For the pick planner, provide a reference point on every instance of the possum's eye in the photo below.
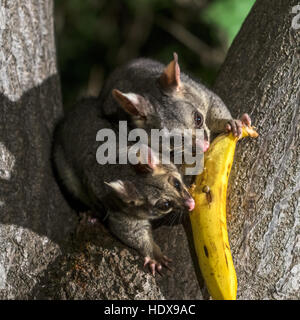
(176, 183)
(198, 119)
(163, 206)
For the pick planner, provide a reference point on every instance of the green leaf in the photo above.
(228, 15)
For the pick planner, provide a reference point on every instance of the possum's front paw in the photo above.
(235, 125)
(156, 265)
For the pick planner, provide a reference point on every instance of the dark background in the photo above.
(94, 36)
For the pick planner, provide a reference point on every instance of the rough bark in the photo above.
(261, 76)
(45, 253)
(34, 218)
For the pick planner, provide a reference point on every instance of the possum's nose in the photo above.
(190, 204)
(203, 144)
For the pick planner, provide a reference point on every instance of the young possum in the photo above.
(154, 96)
(132, 195)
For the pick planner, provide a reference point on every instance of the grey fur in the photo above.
(129, 197)
(167, 108)
(163, 106)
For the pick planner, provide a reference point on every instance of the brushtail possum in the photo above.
(154, 96)
(132, 195)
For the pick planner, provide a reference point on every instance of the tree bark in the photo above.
(261, 76)
(34, 217)
(46, 252)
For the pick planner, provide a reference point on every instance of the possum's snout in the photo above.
(203, 144)
(190, 204)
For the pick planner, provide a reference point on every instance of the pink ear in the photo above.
(148, 160)
(132, 103)
(170, 78)
(152, 160)
(125, 190)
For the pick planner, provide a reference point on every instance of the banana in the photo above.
(208, 219)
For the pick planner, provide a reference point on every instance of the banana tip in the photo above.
(250, 131)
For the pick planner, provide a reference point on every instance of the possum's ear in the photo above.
(148, 160)
(126, 191)
(170, 78)
(132, 103)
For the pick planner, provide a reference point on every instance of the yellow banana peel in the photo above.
(208, 219)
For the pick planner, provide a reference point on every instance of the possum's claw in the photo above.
(156, 266)
(236, 125)
(246, 120)
(165, 262)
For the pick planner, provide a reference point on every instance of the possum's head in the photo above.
(170, 100)
(154, 191)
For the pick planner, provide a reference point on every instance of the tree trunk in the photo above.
(44, 251)
(261, 76)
